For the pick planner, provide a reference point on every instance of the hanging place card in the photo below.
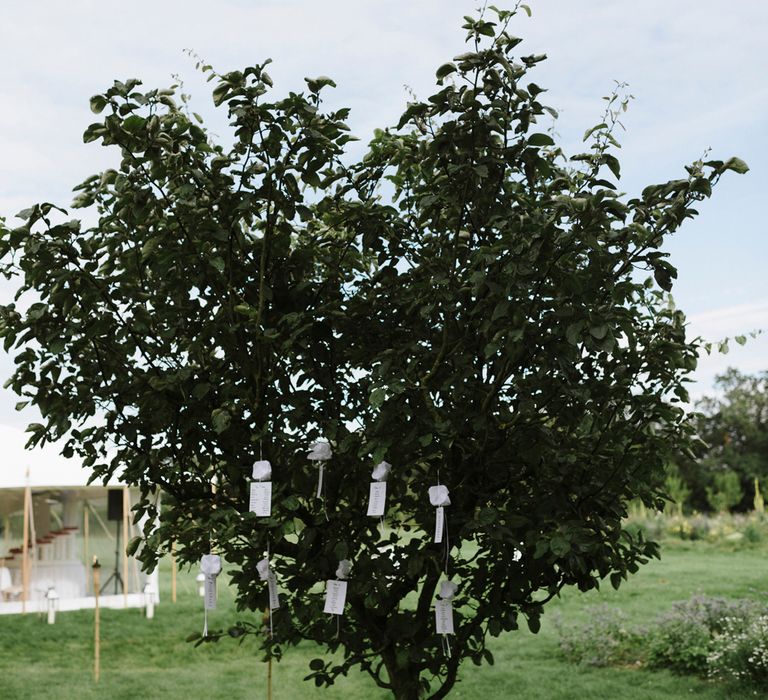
(210, 592)
(261, 498)
(274, 600)
(377, 499)
(335, 597)
(210, 566)
(444, 616)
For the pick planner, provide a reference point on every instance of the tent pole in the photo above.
(134, 561)
(126, 507)
(101, 522)
(25, 551)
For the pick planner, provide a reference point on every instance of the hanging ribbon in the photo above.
(444, 613)
(438, 497)
(266, 574)
(261, 489)
(320, 452)
(210, 567)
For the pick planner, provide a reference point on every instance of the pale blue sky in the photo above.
(697, 69)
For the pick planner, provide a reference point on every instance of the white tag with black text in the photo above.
(335, 597)
(274, 601)
(377, 500)
(210, 593)
(261, 498)
(439, 523)
(444, 616)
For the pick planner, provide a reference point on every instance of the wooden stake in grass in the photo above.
(173, 572)
(96, 641)
(265, 621)
(25, 548)
(126, 509)
(86, 526)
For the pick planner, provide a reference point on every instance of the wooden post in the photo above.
(85, 537)
(173, 572)
(265, 621)
(126, 507)
(96, 641)
(25, 551)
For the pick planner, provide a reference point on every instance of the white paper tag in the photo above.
(444, 616)
(210, 593)
(320, 481)
(261, 498)
(377, 500)
(439, 523)
(274, 601)
(335, 597)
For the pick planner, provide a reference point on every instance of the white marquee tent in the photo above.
(53, 523)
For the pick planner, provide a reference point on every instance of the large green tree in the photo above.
(733, 426)
(465, 302)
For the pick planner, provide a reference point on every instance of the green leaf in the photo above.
(559, 546)
(613, 164)
(737, 165)
(445, 69)
(133, 545)
(317, 84)
(98, 103)
(599, 331)
(592, 130)
(573, 332)
(317, 664)
(221, 419)
(378, 397)
(540, 140)
(534, 622)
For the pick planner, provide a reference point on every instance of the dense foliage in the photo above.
(465, 302)
(732, 461)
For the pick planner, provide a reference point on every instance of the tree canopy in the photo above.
(466, 301)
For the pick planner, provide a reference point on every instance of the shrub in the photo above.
(604, 641)
(682, 638)
(740, 651)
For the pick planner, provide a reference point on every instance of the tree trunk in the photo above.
(404, 679)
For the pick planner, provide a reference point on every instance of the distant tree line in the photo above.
(730, 467)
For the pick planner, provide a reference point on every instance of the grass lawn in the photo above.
(150, 659)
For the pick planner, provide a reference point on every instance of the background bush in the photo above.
(681, 639)
(740, 651)
(606, 640)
